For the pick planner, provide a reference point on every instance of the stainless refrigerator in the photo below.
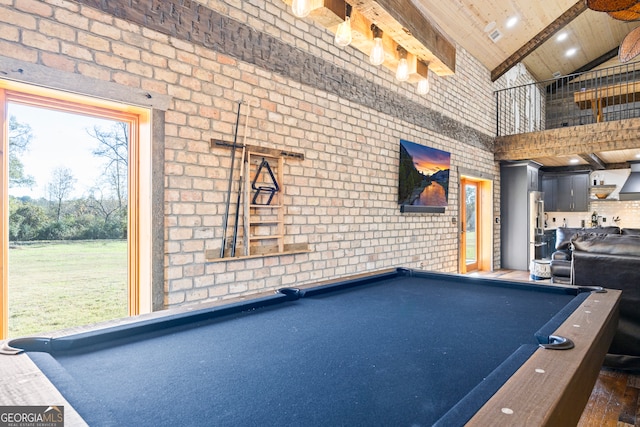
(536, 225)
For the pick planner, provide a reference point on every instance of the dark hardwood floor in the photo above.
(615, 399)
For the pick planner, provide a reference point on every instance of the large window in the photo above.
(108, 213)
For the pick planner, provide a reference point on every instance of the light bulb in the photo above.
(343, 33)
(423, 87)
(301, 8)
(402, 73)
(377, 53)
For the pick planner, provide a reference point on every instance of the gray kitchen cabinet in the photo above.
(573, 190)
(549, 186)
(581, 192)
(566, 192)
(548, 243)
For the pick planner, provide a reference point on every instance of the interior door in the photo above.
(469, 230)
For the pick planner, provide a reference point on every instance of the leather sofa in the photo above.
(630, 231)
(613, 261)
(561, 259)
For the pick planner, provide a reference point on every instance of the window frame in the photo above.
(139, 234)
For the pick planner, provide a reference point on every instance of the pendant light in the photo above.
(343, 33)
(301, 8)
(377, 52)
(423, 87)
(402, 72)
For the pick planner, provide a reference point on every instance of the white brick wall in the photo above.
(342, 199)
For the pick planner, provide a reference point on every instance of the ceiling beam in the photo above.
(560, 82)
(427, 47)
(331, 13)
(593, 159)
(544, 35)
(598, 61)
(416, 25)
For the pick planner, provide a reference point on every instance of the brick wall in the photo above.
(344, 115)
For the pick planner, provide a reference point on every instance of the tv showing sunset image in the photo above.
(423, 177)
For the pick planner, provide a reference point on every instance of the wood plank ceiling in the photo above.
(498, 33)
(470, 23)
(481, 28)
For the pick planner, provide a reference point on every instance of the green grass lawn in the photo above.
(60, 285)
(471, 246)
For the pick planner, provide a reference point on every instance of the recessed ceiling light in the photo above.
(574, 161)
(490, 26)
(562, 36)
(638, 155)
(511, 22)
(571, 52)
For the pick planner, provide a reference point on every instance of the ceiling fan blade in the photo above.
(631, 14)
(630, 46)
(610, 5)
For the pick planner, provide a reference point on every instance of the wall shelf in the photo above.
(264, 217)
(294, 249)
(262, 233)
(603, 187)
(602, 190)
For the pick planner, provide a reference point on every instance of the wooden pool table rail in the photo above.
(556, 397)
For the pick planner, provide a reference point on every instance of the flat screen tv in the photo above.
(423, 184)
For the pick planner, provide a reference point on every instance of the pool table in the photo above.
(399, 347)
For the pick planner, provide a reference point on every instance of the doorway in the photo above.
(70, 213)
(476, 232)
(469, 233)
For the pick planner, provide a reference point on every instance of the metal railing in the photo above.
(577, 99)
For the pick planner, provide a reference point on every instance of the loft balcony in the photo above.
(605, 95)
(585, 121)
